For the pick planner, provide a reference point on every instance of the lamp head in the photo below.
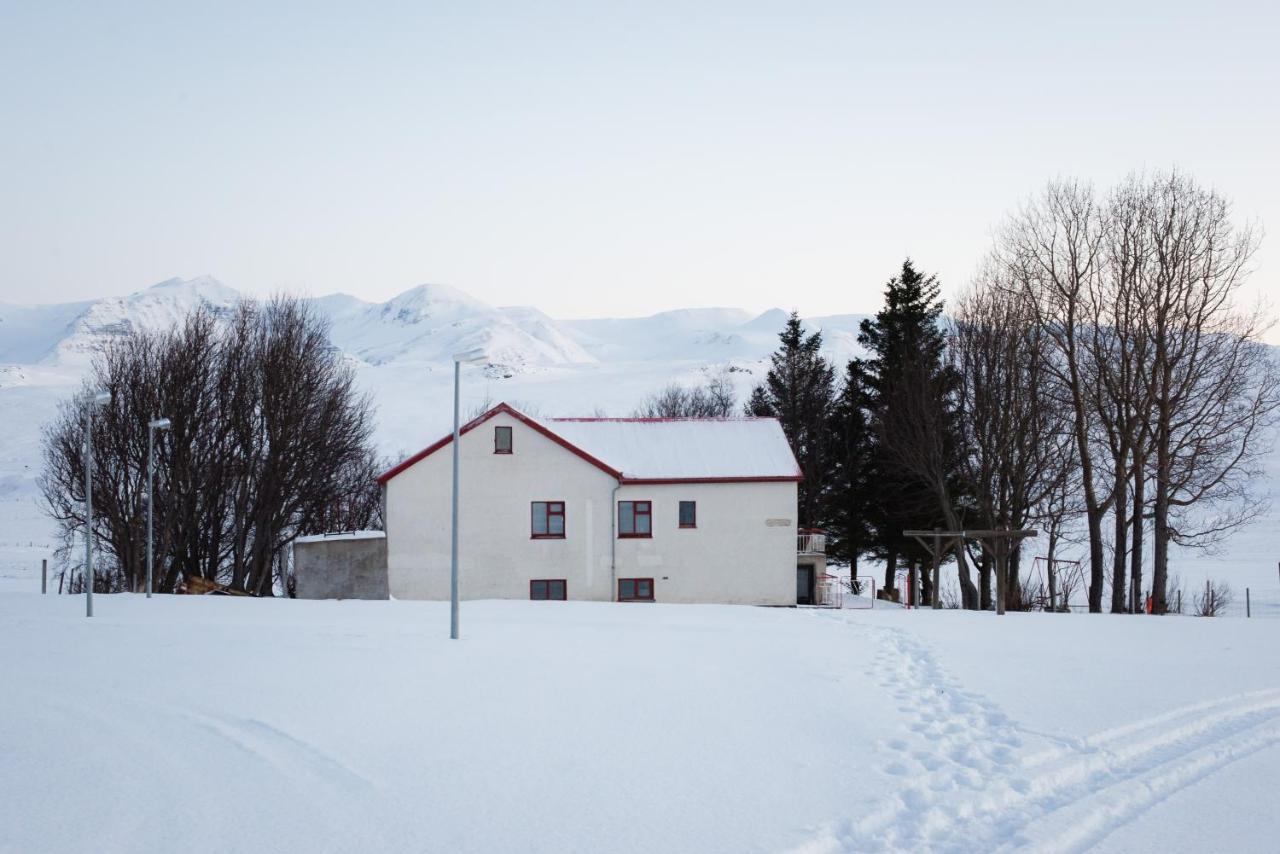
(470, 357)
(160, 424)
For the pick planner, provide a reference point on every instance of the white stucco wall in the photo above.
(734, 555)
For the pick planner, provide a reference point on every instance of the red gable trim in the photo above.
(476, 422)
(667, 420)
(765, 478)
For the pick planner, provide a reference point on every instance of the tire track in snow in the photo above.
(280, 750)
(973, 791)
(1079, 823)
(1104, 739)
(1078, 799)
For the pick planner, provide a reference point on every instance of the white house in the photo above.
(667, 510)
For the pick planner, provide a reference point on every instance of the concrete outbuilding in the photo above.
(347, 565)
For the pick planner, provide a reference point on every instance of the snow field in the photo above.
(330, 726)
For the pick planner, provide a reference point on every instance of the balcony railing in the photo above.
(811, 542)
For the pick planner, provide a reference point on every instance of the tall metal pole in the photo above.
(453, 554)
(151, 490)
(88, 513)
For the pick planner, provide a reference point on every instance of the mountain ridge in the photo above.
(426, 323)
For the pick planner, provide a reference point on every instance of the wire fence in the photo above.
(1218, 600)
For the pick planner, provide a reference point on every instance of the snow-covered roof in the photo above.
(683, 448)
(658, 449)
(341, 535)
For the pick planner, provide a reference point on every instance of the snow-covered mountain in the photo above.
(431, 322)
(423, 325)
(70, 332)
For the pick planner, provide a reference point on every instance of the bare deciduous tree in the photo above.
(1213, 386)
(269, 440)
(1054, 252)
(715, 399)
(1172, 394)
(1015, 434)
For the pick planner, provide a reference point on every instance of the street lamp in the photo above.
(468, 357)
(152, 426)
(99, 399)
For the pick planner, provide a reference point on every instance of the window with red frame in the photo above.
(635, 519)
(688, 514)
(548, 588)
(502, 440)
(548, 520)
(635, 589)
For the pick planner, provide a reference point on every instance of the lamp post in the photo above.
(100, 398)
(152, 426)
(468, 357)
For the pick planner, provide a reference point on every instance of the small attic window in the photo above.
(502, 440)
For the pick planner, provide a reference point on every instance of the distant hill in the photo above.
(425, 324)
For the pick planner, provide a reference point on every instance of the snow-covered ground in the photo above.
(220, 724)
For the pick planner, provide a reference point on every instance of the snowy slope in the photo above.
(716, 334)
(155, 309)
(301, 726)
(430, 323)
(30, 333)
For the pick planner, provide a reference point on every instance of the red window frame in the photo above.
(497, 431)
(534, 535)
(680, 514)
(636, 512)
(564, 590)
(635, 587)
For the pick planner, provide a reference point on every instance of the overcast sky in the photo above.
(598, 158)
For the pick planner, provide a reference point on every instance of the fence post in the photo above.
(44, 576)
(1248, 609)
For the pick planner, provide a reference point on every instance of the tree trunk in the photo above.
(891, 573)
(1118, 568)
(1094, 509)
(968, 592)
(1050, 571)
(1160, 529)
(1013, 577)
(984, 576)
(1135, 570)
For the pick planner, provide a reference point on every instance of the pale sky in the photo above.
(598, 158)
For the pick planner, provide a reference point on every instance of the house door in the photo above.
(804, 585)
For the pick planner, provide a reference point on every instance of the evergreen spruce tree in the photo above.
(906, 374)
(798, 391)
(851, 505)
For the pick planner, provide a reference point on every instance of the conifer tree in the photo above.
(850, 503)
(798, 391)
(911, 392)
